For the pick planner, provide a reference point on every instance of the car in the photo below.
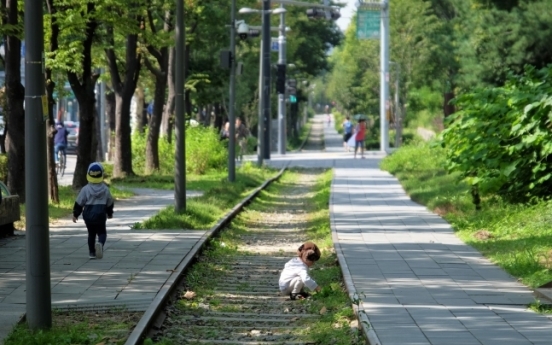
(73, 137)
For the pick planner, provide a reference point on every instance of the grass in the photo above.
(201, 213)
(517, 237)
(295, 142)
(67, 198)
(332, 303)
(219, 197)
(69, 328)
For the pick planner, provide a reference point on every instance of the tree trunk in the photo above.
(123, 146)
(15, 95)
(448, 108)
(168, 113)
(139, 98)
(110, 114)
(152, 143)
(124, 89)
(83, 87)
(50, 128)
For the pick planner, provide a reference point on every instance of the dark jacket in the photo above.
(96, 201)
(61, 136)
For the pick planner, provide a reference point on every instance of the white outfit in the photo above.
(294, 276)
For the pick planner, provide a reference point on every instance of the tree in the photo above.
(15, 96)
(160, 73)
(127, 19)
(50, 86)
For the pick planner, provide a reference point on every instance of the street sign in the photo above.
(368, 24)
(274, 45)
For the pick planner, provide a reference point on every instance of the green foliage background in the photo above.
(204, 152)
(500, 140)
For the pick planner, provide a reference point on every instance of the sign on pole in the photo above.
(368, 23)
(274, 44)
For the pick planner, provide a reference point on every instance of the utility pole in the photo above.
(398, 110)
(180, 130)
(39, 303)
(282, 141)
(265, 78)
(231, 111)
(384, 76)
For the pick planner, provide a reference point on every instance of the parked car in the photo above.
(73, 137)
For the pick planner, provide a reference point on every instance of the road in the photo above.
(67, 178)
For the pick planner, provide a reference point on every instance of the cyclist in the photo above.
(60, 141)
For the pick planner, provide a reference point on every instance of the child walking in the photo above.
(97, 203)
(295, 274)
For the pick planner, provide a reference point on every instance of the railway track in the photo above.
(233, 295)
(244, 305)
(230, 295)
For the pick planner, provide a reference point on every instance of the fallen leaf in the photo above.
(323, 311)
(189, 295)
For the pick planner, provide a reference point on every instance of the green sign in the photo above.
(292, 99)
(368, 24)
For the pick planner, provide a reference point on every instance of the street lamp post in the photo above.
(39, 302)
(264, 79)
(180, 134)
(282, 95)
(384, 85)
(231, 113)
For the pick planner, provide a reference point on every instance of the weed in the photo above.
(540, 307)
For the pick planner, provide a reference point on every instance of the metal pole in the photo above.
(260, 141)
(231, 115)
(384, 77)
(180, 134)
(282, 97)
(39, 303)
(265, 105)
(398, 120)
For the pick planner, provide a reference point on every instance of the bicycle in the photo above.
(60, 168)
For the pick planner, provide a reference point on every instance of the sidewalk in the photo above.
(418, 283)
(136, 263)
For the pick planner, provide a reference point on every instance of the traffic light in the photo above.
(281, 79)
(319, 13)
(315, 13)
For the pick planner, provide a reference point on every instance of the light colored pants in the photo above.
(295, 286)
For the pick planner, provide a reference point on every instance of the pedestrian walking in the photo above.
(347, 132)
(96, 205)
(360, 134)
(295, 275)
(242, 133)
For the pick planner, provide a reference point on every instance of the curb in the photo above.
(168, 287)
(364, 321)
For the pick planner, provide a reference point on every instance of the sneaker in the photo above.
(299, 295)
(99, 250)
(92, 256)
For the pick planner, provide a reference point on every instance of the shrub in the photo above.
(500, 140)
(204, 152)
